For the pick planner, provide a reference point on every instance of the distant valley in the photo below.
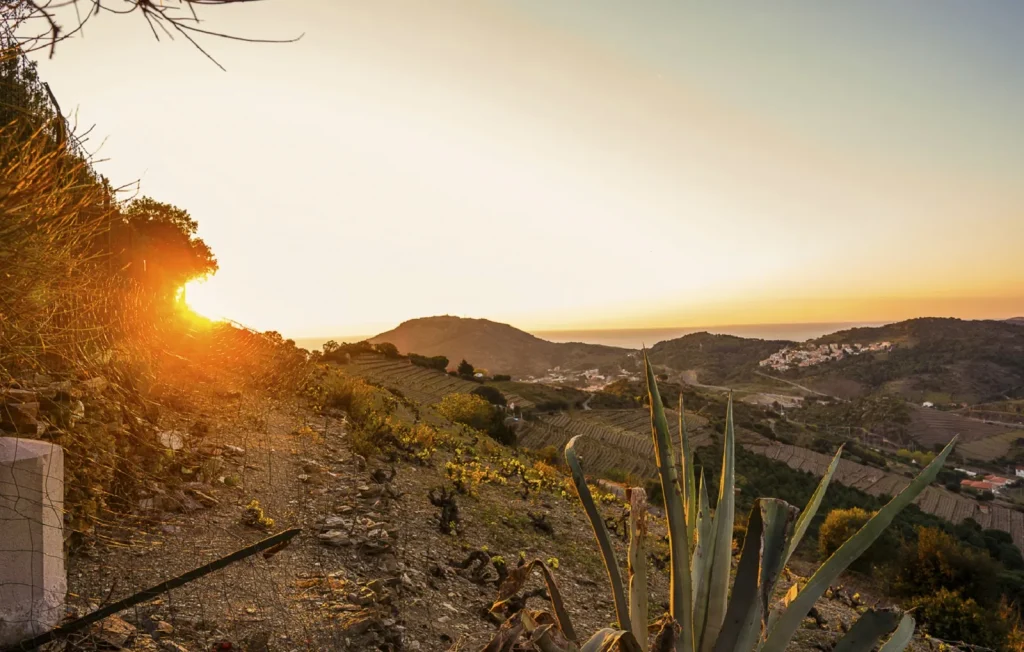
(939, 360)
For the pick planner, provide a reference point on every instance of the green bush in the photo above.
(949, 616)
(438, 362)
(387, 349)
(501, 377)
(935, 561)
(490, 394)
(840, 525)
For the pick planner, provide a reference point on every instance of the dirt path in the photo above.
(798, 386)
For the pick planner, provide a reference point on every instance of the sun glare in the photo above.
(201, 297)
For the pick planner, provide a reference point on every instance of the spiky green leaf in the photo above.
(786, 624)
(680, 595)
(721, 555)
(807, 515)
(900, 639)
(637, 562)
(761, 562)
(867, 631)
(604, 540)
(701, 567)
(689, 481)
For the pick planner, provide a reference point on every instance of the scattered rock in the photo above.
(171, 646)
(95, 385)
(257, 642)
(114, 632)
(171, 439)
(335, 538)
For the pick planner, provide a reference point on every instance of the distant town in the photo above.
(810, 355)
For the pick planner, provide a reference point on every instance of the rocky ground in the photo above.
(371, 569)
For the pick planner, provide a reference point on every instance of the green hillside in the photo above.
(941, 360)
(717, 359)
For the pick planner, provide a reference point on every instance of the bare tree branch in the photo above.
(36, 24)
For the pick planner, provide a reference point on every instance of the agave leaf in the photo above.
(761, 562)
(721, 555)
(680, 591)
(689, 483)
(900, 639)
(786, 624)
(701, 571)
(514, 583)
(543, 632)
(867, 631)
(637, 564)
(507, 635)
(604, 540)
(611, 640)
(807, 515)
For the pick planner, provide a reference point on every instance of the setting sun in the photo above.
(200, 296)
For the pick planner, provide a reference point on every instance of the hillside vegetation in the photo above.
(717, 359)
(498, 348)
(941, 360)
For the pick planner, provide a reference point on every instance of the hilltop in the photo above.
(716, 359)
(935, 359)
(498, 348)
(1019, 321)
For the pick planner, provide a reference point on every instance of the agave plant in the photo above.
(703, 615)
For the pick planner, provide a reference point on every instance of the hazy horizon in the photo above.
(561, 165)
(634, 338)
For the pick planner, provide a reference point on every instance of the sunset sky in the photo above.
(578, 164)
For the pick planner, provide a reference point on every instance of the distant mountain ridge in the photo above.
(936, 359)
(498, 348)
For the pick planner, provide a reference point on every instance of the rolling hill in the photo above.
(499, 348)
(717, 359)
(1017, 321)
(939, 360)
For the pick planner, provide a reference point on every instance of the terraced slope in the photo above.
(991, 448)
(417, 383)
(615, 439)
(933, 500)
(930, 427)
(621, 439)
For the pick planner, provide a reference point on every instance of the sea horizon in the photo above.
(636, 338)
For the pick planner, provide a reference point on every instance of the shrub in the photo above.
(387, 349)
(947, 615)
(840, 525)
(491, 394)
(501, 377)
(353, 395)
(468, 409)
(936, 561)
(438, 362)
(549, 455)
(465, 369)
(341, 353)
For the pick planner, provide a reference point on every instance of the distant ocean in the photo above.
(634, 338)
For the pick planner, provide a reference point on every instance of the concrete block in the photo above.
(33, 580)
